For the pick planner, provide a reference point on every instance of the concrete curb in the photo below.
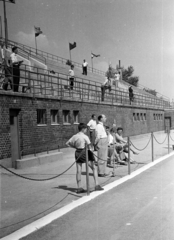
(32, 227)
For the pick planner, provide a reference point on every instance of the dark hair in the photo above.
(112, 130)
(100, 117)
(93, 115)
(107, 127)
(13, 49)
(81, 126)
(119, 128)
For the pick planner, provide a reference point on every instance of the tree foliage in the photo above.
(127, 76)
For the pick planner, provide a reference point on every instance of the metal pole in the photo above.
(168, 141)
(92, 63)
(36, 44)
(129, 168)
(70, 54)
(1, 27)
(87, 171)
(5, 27)
(152, 147)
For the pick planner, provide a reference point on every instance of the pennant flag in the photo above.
(72, 45)
(12, 1)
(94, 55)
(37, 31)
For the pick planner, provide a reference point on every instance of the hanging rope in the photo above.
(142, 148)
(36, 179)
(157, 140)
(171, 138)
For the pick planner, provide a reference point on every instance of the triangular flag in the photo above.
(72, 45)
(37, 31)
(94, 55)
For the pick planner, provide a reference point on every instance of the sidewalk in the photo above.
(24, 201)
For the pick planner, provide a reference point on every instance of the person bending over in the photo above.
(78, 141)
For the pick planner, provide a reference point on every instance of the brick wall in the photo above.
(40, 137)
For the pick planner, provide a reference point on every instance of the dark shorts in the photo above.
(80, 156)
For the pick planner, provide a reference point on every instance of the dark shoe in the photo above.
(135, 153)
(98, 188)
(101, 175)
(80, 190)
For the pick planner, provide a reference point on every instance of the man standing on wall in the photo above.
(92, 125)
(15, 68)
(71, 77)
(84, 66)
(101, 144)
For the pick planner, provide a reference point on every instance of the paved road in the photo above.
(139, 209)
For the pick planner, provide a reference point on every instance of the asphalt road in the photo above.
(139, 209)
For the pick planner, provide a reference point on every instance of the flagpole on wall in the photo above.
(1, 27)
(92, 61)
(36, 43)
(70, 54)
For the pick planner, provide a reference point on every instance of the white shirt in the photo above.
(100, 132)
(85, 64)
(110, 139)
(92, 124)
(78, 141)
(107, 81)
(71, 73)
(117, 76)
(13, 57)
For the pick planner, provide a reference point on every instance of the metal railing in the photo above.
(39, 81)
(44, 57)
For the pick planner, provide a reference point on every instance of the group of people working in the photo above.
(109, 144)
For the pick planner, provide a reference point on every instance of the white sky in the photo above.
(137, 32)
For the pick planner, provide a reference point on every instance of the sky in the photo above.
(140, 33)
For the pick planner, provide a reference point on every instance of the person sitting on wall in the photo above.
(123, 146)
(78, 141)
(15, 68)
(106, 85)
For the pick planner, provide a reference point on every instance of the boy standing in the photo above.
(78, 141)
(71, 77)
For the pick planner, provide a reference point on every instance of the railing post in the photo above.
(129, 168)
(152, 147)
(87, 171)
(168, 130)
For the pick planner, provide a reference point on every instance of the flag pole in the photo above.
(92, 61)
(70, 54)
(1, 27)
(36, 43)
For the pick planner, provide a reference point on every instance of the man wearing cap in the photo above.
(16, 69)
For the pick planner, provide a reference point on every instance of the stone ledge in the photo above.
(38, 160)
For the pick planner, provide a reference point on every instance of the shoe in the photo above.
(98, 188)
(80, 190)
(135, 153)
(101, 175)
(132, 162)
(122, 163)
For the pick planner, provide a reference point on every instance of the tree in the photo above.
(127, 76)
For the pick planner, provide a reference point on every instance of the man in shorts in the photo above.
(78, 141)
